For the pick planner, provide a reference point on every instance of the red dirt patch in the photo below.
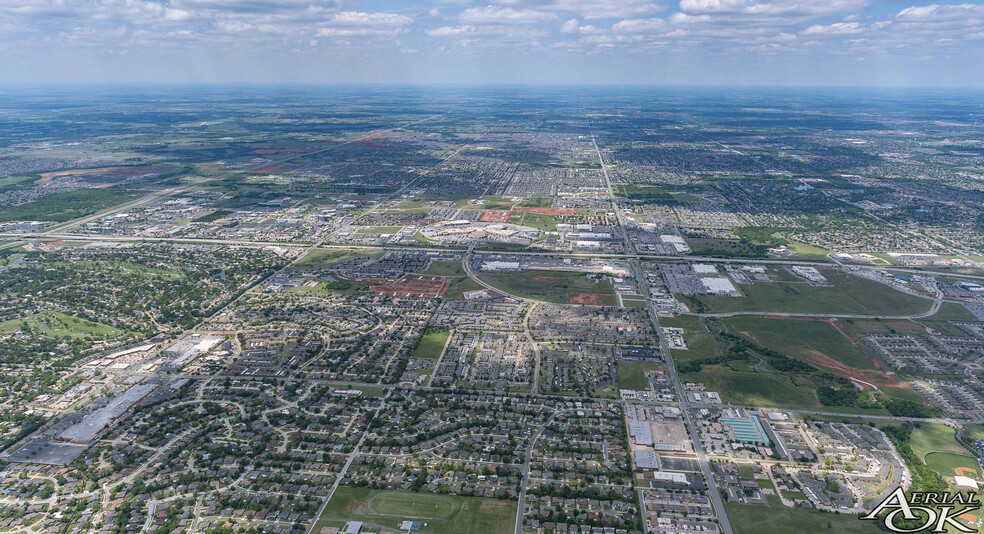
(267, 170)
(274, 151)
(867, 378)
(427, 287)
(113, 172)
(591, 299)
(549, 211)
(498, 216)
(965, 472)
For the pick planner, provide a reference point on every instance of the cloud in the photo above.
(574, 26)
(592, 9)
(772, 7)
(360, 24)
(639, 25)
(504, 15)
(937, 13)
(837, 28)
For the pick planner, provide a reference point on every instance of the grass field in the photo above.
(803, 340)
(632, 373)
(932, 437)
(444, 514)
(754, 388)
(60, 326)
(701, 341)
(338, 287)
(848, 294)
(381, 230)
(459, 286)
(947, 464)
(68, 205)
(321, 257)
(445, 268)
(551, 286)
(431, 343)
(777, 519)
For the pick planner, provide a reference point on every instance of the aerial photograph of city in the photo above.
(491, 266)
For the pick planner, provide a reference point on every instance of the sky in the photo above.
(649, 42)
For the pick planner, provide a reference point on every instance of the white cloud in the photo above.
(592, 9)
(640, 25)
(360, 24)
(934, 12)
(504, 15)
(574, 26)
(772, 7)
(356, 18)
(837, 28)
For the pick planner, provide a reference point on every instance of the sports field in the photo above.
(442, 514)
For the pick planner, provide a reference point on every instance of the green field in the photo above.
(778, 519)
(444, 268)
(632, 373)
(322, 257)
(932, 437)
(946, 464)
(60, 326)
(431, 344)
(701, 341)
(68, 205)
(803, 340)
(459, 286)
(381, 230)
(444, 514)
(848, 295)
(336, 287)
(755, 388)
(551, 286)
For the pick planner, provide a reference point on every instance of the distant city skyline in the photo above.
(716, 42)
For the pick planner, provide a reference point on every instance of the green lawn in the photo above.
(60, 326)
(461, 285)
(803, 339)
(632, 373)
(322, 256)
(68, 205)
(778, 519)
(337, 287)
(381, 230)
(445, 268)
(754, 388)
(551, 286)
(848, 295)
(702, 342)
(431, 343)
(444, 514)
(946, 464)
(932, 437)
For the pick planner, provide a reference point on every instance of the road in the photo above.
(348, 463)
(526, 471)
(705, 467)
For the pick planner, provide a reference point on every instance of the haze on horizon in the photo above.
(722, 42)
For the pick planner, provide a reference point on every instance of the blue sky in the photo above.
(724, 42)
